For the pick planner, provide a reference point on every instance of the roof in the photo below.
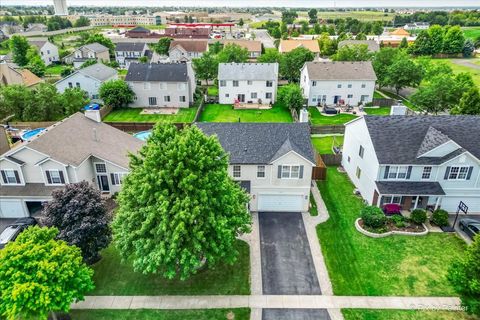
(139, 29)
(130, 46)
(340, 70)
(261, 143)
(190, 45)
(410, 188)
(400, 139)
(29, 189)
(37, 43)
(72, 140)
(371, 44)
(289, 45)
(400, 32)
(250, 45)
(98, 71)
(29, 79)
(96, 47)
(248, 71)
(173, 72)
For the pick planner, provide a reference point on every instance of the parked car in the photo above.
(470, 226)
(12, 231)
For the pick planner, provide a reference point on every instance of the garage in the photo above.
(280, 202)
(451, 203)
(12, 208)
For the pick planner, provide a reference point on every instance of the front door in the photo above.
(241, 98)
(336, 99)
(103, 183)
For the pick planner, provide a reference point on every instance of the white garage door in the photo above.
(280, 202)
(451, 203)
(12, 208)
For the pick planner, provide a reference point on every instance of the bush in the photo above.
(399, 221)
(418, 216)
(373, 217)
(440, 218)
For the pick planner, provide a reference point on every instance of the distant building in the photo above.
(127, 52)
(92, 51)
(141, 32)
(253, 47)
(48, 51)
(417, 26)
(288, 45)
(107, 20)
(60, 7)
(198, 32)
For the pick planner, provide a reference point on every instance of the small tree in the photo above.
(36, 66)
(206, 67)
(66, 71)
(73, 100)
(39, 275)
(454, 40)
(19, 46)
(116, 93)
(14, 100)
(241, 22)
(403, 44)
(162, 46)
(469, 103)
(312, 16)
(418, 216)
(468, 48)
(233, 53)
(291, 96)
(353, 53)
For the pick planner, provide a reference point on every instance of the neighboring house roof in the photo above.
(371, 44)
(340, 70)
(28, 190)
(250, 45)
(130, 46)
(174, 72)
(289, 45)
(190, 45)
(29, 79)
(261, 143)
(400, 32)
(400, 139)
(247, 71)
(95, 47)
(37, 43)
(139, 29)
(98, 71)
(410, 188)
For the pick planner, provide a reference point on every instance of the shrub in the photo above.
(398, 220)
(418, 216)
(373, 217)
(440, 218)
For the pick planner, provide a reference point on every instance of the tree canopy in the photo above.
(293, 61)
(469, 103)
(162, 46)
(206, 67)
(19, 46)
(353, 53)
(116, 93)
(403, 72)
(233, 53)
(291, 96)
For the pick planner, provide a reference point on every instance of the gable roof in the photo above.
(372, 45)
(29, 78)
(290, 44)
(95, 47)
(433, 138)
(398, 139)
(400, 32)
(248, 71)
(174, 72)
(139, 29)
(190, 45)
(340, 70)
(261, 143)
(37, 43)
(98, 71)
(250, 45)
(130, 46)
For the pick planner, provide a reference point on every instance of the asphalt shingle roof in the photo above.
(261, 143)
(190, 45)
(248, 71)
(371, 44)
(98, 71)
(174, 72)
(410, 188)
(130, 46)
(96, 47)
(340, 70)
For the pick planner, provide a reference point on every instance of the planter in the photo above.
(388, 233)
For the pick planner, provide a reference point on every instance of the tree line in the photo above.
(442, 18)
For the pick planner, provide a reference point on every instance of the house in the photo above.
(36, 27)
(88, 79)
(48, 51)
(329, 83)
(158, 85)
(399, 33)
(186, 50)
(372, 45)
(141, 32)
(90, 51)
(253, 47)
(188, 32)
(272, 161)
(290, 44)
(247, 83)
(9, 74)
(127, 52)
(72, 150)
(417, 26)
(415, 161)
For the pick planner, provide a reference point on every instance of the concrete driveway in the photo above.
(463, 235)
(295, 314)
(287, 264)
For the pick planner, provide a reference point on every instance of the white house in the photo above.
(88, 79)
(92, 51)
(329, 83)
(247, 82)
(127, 52)
(415, 161)
(72, 150)
(48, 51)
(272, 161)
(186, 50)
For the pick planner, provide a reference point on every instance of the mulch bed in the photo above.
(390, 226)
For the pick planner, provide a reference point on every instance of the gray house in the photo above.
(127, 52)
(94, 51)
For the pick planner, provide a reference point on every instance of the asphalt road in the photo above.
(295, 314)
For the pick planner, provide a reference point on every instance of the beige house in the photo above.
(290, 44)
(90, 51)
(253, 47)
(186, 50)
(10, 75)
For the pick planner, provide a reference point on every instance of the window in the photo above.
(166, 98)
(77, 84)
(163, 85)
(339, 86)
(10, 176)
(117, 178)
(260, 171)
(70, 85)
(152, 101)
(269, 84)
(361, 152)
(348, 159)
(249, 82)
(227, 95)
(391, 199)
(363, 85)
(146, 85)
(290, 172)
(314, 83)
(350, 96)
(235, 83)
(100, 168)
(253, 95)
(268, 95)
(358, 173)
(349, 85)
(237, 171)
(223, 83)
(458, 173)
(397, 172)
(427, 171)
(182, 98)
(55, 177)
(182, 86)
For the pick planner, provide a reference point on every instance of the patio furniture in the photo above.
(329, 110)
(391, 209)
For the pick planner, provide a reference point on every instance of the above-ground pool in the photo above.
(143, 135)
(31, 133)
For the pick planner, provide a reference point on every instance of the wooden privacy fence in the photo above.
(337, 129)
(384, 102)
(331, 159)
(140, 126)
(319, 172)
(31, 125)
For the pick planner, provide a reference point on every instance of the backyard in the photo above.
(146, 314)
(471, 32)
(362, 314)
(185, 115)
(464, 65)
(226, 113)
(317, 118)
(324, 144)
(380, 111)
(396, 265)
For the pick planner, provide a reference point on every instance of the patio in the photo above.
(351, 110)
(170, 111)
(251, 106)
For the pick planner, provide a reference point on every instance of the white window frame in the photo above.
(51, 172)
(249, 82)
(290, 171)
(364, 85)
(461, 173)
(102, 164)
(162, 85)
(152, 99)
(261, 172)
(268, 95)
(397, 172)
(314, 83)
(392, 199)
(166, 99)
(427, 173)
(118, 178)
(269, 84)
(146, 85)
(350, 96)
(358, 172)
(182, 98)
(349, 85)
(237, 171)
(339, 86)
(235, 83)
(12, 171)
(253, 95)
(223, 83)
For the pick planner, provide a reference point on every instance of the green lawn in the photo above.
(471, 32)
(185, 115)
(226, 113)
(212, 91)
(318, 119)
(459, 68)
(377, 95)
(396, 97)
(55, 69)
(364, 314)
(324, 144)
(112, 277)
(396, 265)
(382, 111)
(147, 314)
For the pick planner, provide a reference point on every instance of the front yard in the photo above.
(185, 115)
(317, 118)
(146, 314)
(226, 113)
(362, 314)
(396, 265)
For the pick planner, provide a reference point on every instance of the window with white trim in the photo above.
(363, 85)
(458, 173)
(235, 83)
(427, 172)
(146, 85)
(237, 171)
(361, 151)
(349, 85)
(358, 173)
(253, 95)
(117, 178)
(166, 98)
(54, 177)
(398, 172)
(10, 176)
(100, 168)
(269, 84)
(350, 96)
(268, 95)
(182, 98)
(260, 171)
(182, 86)
(339, 86)
(162, 85)
(152, 101)
(391, 199)
(290, 172)
(314, 83)
(223, 83)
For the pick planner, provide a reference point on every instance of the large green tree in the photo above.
(36, 66)
(437, 33)
(162, 46)
(100, 38)
(116, 93)
(312, 16)
(73, 100)
(381, 61)
(403, 72)
(206, 67)
(178, 207)
(81, 22)
(454, 40)
(469, 103)
(293, 61)
(353, 53)
(40, 275)
(19, 46)
(327, 46)
(291, 96)
(233, 53)
(14, 99)
(271, 55)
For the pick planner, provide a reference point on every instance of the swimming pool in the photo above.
(31, 133)
(143, 135)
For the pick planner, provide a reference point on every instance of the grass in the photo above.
(55, 69)
(317, 118)
(459, 68)
(404, 101)
(212, 91)
(146, 314)
(381, 111)
(365, 314)
(377, 95)
(471, 32)
(360, 15)
(324, 144)
(226, 113)
(313, 207)
(184, 115)
(112, 277)
(395, 265)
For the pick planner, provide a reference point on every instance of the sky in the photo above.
(259, 3)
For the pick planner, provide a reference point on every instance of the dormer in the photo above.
(436, 144)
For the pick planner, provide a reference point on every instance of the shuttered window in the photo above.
(10, 177)
(55, 177)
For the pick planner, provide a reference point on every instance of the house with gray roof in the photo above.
(243, 83)
(127, 52)
(47, 50)
(91, 51)
(338, 82)
(161, 85)
(426, 162)
(272, 161)
(372, 45)
(75, 149)
(88, 79)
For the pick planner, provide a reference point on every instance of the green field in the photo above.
(324, 144)
(226, 113)
(360, 15)
(363, 314)
(316, 118)
(460, 68)
(471, 32)
(184, 115)
(146, 314)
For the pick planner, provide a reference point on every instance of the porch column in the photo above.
(416, 203)
(437, 203)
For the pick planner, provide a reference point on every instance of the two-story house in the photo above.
(253, 47)
(92, 51)
(247, 83)
(75, 149)
(185, 50)
(88, 79)
(48, 51)
(287, 45)
(272, 161)
(127, 52)
(332, 83)
(161, 85)
(415, 161)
